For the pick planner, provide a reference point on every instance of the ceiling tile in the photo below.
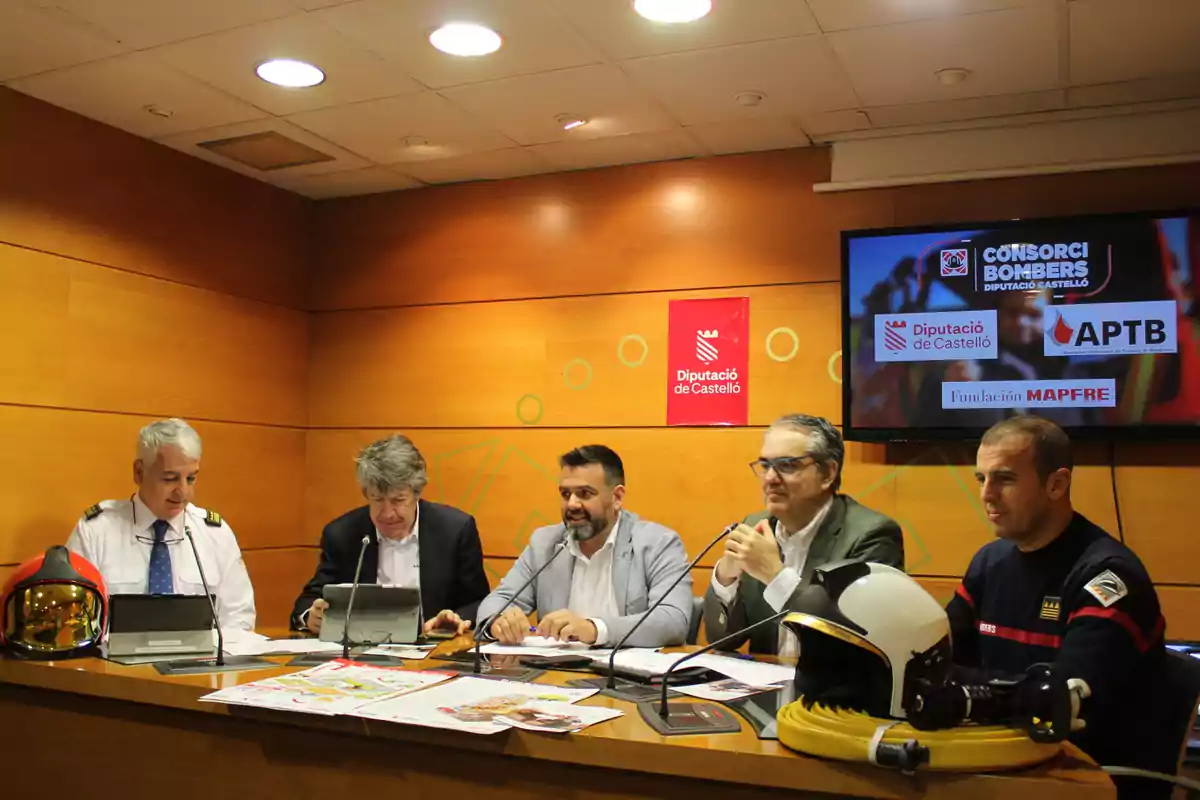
(345, 184)
(34, 40)
(117, 92)
(227, 60)
(614, 150)
(535, 39)
(343, 161)
(498, 164)
(965, 109)
(1148, 90)
(1121, 40)
(837, 15)
(377, 128)
(1007, 52)
(524, 109)
(139, 24)
(622, 34)
(744, 136)
(795, 74)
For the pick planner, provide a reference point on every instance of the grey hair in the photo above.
(168, 432)
(824, 438)
(390, 464)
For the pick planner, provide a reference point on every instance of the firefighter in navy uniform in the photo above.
(1056, 588)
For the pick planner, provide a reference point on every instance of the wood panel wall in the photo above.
(138, 283)
(500, 324)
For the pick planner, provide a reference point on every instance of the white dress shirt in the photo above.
(118, 542)
(794, 549)
(592, 592)
(400, 559)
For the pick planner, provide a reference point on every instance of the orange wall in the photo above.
(135, 283)
(490, 321)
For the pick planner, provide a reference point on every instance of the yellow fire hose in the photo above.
(853, 736)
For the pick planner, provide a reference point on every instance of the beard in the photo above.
(584, 525)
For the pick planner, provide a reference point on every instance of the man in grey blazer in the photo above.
(771, 556)
(611, 567)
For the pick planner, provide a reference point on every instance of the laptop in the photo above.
(159, 624)
(382, 614)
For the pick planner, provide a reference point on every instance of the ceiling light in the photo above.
(416, 141)
(953, 76)
(570, 121)
(159, 111)
(465, 39)
(289, 73)
(749, 99)
(672, 11)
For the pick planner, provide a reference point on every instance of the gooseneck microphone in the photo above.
(612, 658)
(484, 625)
(663, 708)
(362, 551)
(220, 660)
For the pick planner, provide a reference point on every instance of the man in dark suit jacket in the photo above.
(413, 542)
(771, 556)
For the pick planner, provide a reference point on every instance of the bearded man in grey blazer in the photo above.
(771, 556)
(609, 567)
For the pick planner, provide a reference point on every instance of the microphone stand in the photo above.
(219, 663)
(479, 631)
(362, 551)
(612, 659)
(702, 717)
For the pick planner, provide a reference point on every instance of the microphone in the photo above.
(612, 659)
(220, 661)
(362, 551)
(663, 709)
(558, 548)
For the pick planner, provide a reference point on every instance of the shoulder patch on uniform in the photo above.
(212, 518)
(1107, 587)
(93, 512)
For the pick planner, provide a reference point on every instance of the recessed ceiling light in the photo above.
(465, 39)
(570, 121)
(952, 76)
(159, 111)
(290, 73)
(672, 11)
(416, 141)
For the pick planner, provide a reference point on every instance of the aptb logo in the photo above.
(706, 351)
(954, 262)
(1111, 329)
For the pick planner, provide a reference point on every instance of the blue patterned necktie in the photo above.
(160, 561)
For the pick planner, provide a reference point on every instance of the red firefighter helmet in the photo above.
(54, 606)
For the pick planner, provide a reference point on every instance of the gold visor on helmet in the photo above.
(53, 617)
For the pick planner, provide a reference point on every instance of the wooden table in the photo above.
(128, 732)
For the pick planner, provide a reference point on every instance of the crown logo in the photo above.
(713, 334)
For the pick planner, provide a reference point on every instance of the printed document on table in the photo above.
(723, 690)
(338, 687)
(473, 705)
(540, 646)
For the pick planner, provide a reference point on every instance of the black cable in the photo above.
(1112, 472)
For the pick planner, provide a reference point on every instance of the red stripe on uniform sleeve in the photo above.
(1122, 619)
(962, 592)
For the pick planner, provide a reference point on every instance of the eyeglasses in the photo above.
(170, 538)
(788, 465)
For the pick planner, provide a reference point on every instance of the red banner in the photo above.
(708, 361)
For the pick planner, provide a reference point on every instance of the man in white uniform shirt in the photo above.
(140, 545)
(771, 556)
(615, 566)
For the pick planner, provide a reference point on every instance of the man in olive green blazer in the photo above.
(771, 556)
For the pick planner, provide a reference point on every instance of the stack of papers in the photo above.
(338, 687)
(723, 690)
(485, 706)
(541, 646)
(651, 663)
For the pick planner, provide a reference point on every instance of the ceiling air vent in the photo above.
(265, 151)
